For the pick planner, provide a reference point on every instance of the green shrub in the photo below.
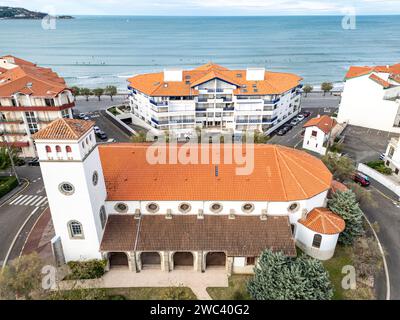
(7, 184)
(379, 166)
(90, 269)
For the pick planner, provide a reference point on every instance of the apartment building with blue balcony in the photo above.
(215, 98)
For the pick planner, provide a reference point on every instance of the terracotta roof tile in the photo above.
(324, 221)
(242, 236)
(380, 81)
(338, 186)
(325, 123)
(279, 174)
(64, 129)
(356, 71)
(153, 84)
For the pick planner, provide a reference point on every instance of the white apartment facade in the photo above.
(215, 98)
(31, 97)
(371, 98)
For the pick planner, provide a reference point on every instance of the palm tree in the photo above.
(86, 93)
(98, 92)
(110, 91)
(307, 89)
(326, 87)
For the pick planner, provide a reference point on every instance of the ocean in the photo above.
(95, 51)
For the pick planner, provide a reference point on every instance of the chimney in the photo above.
(255, 74)
(173, 75)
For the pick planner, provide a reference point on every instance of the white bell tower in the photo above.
(74, 182)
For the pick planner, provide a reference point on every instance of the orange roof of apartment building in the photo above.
(279, 174)
(30, 79)
(64, 129)
(380, 81)
(325, 123)
(324, 221)
(153, 84)
(357, 71)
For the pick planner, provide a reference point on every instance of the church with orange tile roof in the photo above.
(214, 98)
(110, 202)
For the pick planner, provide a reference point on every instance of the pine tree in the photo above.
(278, 277)
(345, 205)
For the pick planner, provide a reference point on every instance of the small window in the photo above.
(152, 207)
(66, 188)
(216, 207)
(48, 149)
(248, 208)
(314, 133)
(388, 163)
(250, 261)
(121, 207)
(317, 241)
(103, 217)
(396, 171)
(185, 207)
(58, 149)
(95, 178)
(83, 144)
(294, 207)
(75, 230)
(68, 149)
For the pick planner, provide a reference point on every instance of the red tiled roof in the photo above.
(279, 174)
(356, 71)
(325, 123)
(380, 81)
(338, 186)
(64, 129)
(242, 236)
(324, 221)
(153, 84)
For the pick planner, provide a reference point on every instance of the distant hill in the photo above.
(21, 13)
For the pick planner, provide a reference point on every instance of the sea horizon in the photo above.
(98, 50)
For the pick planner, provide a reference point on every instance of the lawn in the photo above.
(173, 293)
(235, 291)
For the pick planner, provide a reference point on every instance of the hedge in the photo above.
(379, 166)
(7, 184)
(90, 269)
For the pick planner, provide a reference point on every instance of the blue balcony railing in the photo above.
(159, 104)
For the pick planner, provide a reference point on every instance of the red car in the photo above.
(361, 179)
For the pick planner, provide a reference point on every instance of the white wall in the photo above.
(391, 184)
(314, 143)
(363, 105)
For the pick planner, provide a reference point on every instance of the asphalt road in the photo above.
(17, 210)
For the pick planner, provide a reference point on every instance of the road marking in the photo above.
(30, 201)
(24, 202)
(16, 237)
(17, 198)
(41, 202)
(34, 203)
(22, 199)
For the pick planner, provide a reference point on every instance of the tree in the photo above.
(86, 92)
(363, 196)
(345, 205)
(5, 160)
(140, 137)
(75, 91)
(260, 137)
(326, 87)
(342, 168)
(98, 92)
(22, 278)
(307, 89)
(278, 277)
(110, 91)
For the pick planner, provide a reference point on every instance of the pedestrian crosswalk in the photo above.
(29, 200)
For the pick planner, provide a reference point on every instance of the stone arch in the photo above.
(215, 260)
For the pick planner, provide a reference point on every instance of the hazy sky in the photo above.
(208, 7)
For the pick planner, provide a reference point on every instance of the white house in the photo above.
(392, 155)
(30, 98)
(371, 98)
(113, 201)
(318, 132)
(215, 98)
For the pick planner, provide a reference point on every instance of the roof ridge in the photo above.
(280, 171)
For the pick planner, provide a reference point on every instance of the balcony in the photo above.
(202, 100)
(45, 120)
(13, 133)
(229, 109)
(38, 108)
(181, 121)
(159, 104)
(264, 120)
(11, 121)
(269, 102)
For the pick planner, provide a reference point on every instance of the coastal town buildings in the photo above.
(215, 98)
(392, 155)
(318, 133)
(30, 98)
(113, 201)
(371, 98)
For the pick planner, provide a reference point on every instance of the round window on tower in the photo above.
(152, 207)
(95, 178)
(66, 188)
(121, 207)
(216, 207)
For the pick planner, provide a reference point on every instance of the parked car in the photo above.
(294, 122)
(361, 179)
(20, 162)
(281, 132)
(96, 129)
(112, 140)
(306, 114)
(382, 156)
(86, 118)
(300, 117)
(34, 162)
(102, 135)
(82, 115)
(288, 127)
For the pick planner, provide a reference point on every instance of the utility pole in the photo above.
(11, 157)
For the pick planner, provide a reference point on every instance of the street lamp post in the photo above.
(11, 157)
